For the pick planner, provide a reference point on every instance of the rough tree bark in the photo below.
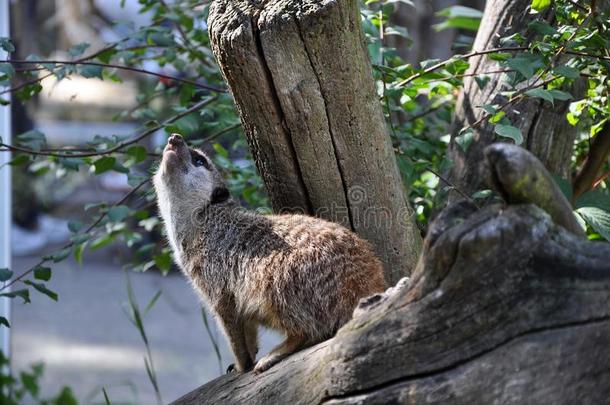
(545, 130)
(505, 306)
(301, 78)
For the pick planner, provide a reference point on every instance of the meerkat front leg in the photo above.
(235, 330)
(251, 330)
(286, 348)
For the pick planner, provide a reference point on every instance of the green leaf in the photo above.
(151, 303)
(118, 213)
(75, 226)
(497, 117)
(567, 72)
(33, 139)
(89, 71)
(464, 139)
(102, 241)
(40, 287)
(163, 262)
(598, 219)
(509, 131)
(460, 17)
(138, 153)
(59, 255)
(5, 274)
(561, 95)
(540, 93)
(23, 294)
(19, 160)
(542, 27)
(482, 194)
(78, 252)
(65, 397)
(78, 49)
(104, 164)
(4, 321)
(595, 198)
(6, 45)
(42, 273)
(523, 65)
(540, 5)
(6, 71)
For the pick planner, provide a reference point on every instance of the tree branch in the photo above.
(118, 147)
(121, 67)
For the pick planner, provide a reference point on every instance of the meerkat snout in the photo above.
(300, 275)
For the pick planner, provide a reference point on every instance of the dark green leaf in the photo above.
(6, 45)
(523, 65)
(23, 294)
(561, 95)
(138, 153)
(4, 321)
(42, 273)
(118, 213)
(78, 49)
(540, 93)
(542, 27)
(5, 274)
(163, 262)
(89, 71)
(75, 226)
(40, 287)
(65, 397)
(104, 164)
(596, 198)
(508, 131)
(19, 160)
(33, 139)
(567, 72)
(59, 255)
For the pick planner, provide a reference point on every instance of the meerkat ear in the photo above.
(219, 195)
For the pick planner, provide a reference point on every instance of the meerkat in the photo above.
(299, 275)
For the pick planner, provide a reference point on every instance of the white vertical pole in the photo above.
(5, 190)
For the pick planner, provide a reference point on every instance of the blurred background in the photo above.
(88, 336)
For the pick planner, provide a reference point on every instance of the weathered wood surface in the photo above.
(545, 130)
(505, 306)
(301, 78)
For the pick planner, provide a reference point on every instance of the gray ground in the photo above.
(87, 342)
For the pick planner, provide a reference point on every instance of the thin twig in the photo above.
(115, 66)
(71, 243)
(121, 145)
(465, 56)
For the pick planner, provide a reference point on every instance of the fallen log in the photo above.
(505, 306)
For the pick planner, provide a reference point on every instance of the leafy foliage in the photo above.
(542, 63)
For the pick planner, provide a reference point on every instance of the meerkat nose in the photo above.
(175, 140)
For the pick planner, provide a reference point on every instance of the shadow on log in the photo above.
(505, 306)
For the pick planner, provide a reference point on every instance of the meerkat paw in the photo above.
(266, 363)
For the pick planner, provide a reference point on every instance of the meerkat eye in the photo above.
(199, 160)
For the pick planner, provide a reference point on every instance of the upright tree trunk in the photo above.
(301, 78)
(546, 132)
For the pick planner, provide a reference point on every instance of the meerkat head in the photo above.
(189, 175)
